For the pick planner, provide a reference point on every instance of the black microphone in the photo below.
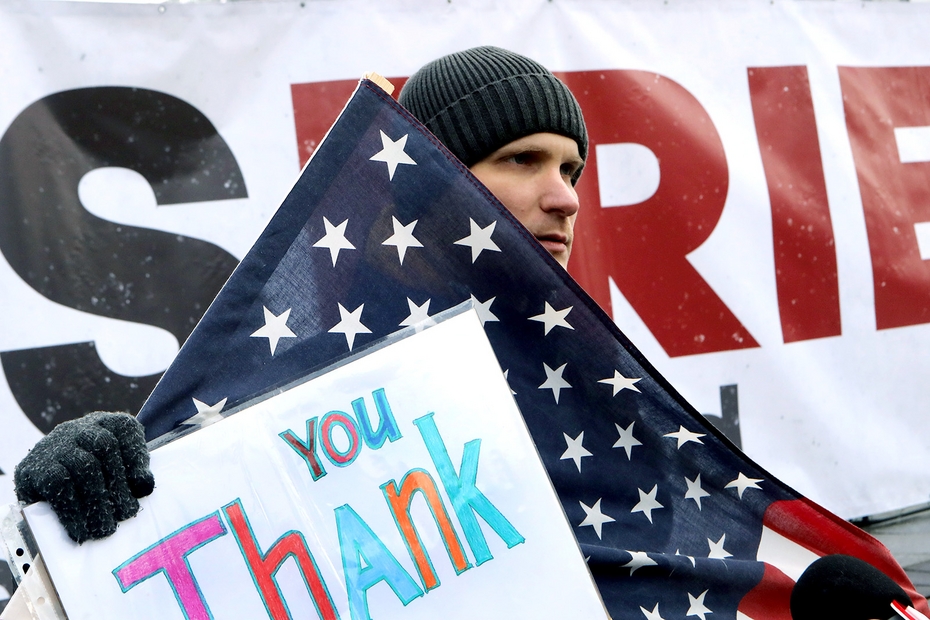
(841, 586)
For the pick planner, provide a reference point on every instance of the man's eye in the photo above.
(521, 159)
(569, 170)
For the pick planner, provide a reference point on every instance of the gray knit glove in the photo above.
(91, 470)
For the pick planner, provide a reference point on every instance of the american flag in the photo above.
(384, 229)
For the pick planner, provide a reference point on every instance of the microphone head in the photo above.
(841, 586)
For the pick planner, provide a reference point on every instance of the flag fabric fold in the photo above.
(384, 229)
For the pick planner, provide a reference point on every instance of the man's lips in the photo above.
(554, 243)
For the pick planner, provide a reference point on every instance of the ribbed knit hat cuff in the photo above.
(497, 113)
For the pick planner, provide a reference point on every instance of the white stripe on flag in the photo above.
(910, 613)
(784, 554)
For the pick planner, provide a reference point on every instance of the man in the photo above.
(511, 121)
(516, 126)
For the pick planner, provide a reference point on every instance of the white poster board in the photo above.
(241, 524)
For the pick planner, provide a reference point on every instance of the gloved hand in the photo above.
(91, 470)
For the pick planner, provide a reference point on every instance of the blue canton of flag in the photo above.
(384, 229)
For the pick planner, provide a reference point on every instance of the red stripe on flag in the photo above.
(770, 600)
(822, 532)
(902, 610)
(907, 612)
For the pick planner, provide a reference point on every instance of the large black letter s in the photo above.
(77, 259)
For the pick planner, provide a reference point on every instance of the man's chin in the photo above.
(561, 258)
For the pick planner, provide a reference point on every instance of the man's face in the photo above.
(532, 177)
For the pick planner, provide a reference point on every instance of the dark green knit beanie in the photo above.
(478, 100)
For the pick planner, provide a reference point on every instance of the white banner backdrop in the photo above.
(830, 398)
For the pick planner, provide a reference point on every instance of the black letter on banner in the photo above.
(728, 420)
(90, 264)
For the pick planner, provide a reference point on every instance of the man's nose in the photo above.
(559, 195)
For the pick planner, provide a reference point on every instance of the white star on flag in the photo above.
(716, 549)
(483, 308)
(627, 441)
(697, 607)
(552, 318)
(554, 381)
(334, 239)
(350, 324)
(742, 483)
(683, 436)
(640, 559)
(594, 517)
(402, 238)
(689, 557)
(392, 153)
(479, 239)
(652, 615)
(619, 382)
(512, 391)
(206, 414)
(695, 491)
(647, 503)
(418, 315)
(575, 450)
(274, 329)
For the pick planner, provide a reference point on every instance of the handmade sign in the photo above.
(403, 484)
